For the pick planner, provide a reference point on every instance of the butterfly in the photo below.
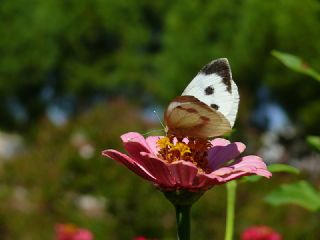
(208, 106)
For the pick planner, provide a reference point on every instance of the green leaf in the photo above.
(295, 63)
(277, 167)
(314, 141)
(300, 193)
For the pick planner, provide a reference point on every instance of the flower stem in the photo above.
(231, 200)
(183, 221)
(182, 200)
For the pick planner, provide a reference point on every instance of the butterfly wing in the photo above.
(214, 86)
(187, 116)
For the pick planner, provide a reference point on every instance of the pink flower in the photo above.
(260, 233)
(140, 238)
(192, 164)
(71, 232)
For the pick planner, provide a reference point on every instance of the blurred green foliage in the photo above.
(296, 64)
(300, 193)
(314, 142)
(54, 174)
(128, 48)
(283, 168)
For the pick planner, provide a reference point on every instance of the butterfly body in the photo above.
(208, 106)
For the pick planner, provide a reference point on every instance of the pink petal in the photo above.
(83, 234)
(152, 143)
(220, 142)
(247, 165)
(234, 175)
(129, 163)
(135, 143)
(206, 181)
(180, 174)
(159, 170)
(249, 162)
(219, 155)
(222, 171)
(264, 173)
(183, 173)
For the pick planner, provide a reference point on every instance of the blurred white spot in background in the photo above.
(91, 206)
(10, 145)
(85, 149)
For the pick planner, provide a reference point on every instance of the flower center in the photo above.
(194, 150)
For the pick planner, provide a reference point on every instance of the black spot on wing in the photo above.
(215, 106)
(209, 90)
(220, 67)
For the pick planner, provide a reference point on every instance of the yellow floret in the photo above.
(164, 143)
(181, 147)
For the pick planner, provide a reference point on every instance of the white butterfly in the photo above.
(208, 106)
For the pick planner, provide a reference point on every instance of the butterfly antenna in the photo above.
(155, 130)
(147, 133)
(155, 112)
(152, 131)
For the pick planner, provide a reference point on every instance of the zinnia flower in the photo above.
(140, 238)
(72, 232)
(260, 233)
(191, 164)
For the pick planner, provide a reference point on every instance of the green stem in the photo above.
(183, 221)
(182, 200)
(231, 200)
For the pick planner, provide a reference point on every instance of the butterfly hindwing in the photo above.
(186, 115)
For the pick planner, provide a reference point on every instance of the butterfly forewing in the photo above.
(214, 86)
(232, 114)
